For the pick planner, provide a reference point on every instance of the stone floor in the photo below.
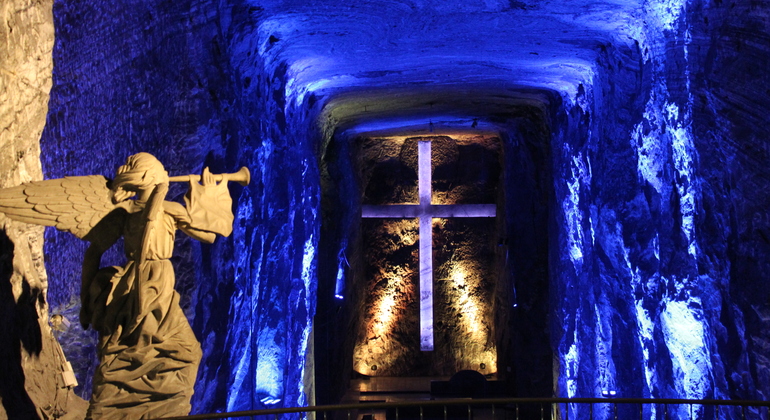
(390, 389)
(403, 389)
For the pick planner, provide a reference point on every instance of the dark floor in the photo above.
(389, 389)
(392, 389)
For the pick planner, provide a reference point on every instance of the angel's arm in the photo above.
(179, 213)
(102, 237)
(99, 245)
(201, 235)
(91, 262)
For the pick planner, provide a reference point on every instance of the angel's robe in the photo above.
(160, 376)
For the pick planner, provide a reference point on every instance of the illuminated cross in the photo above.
(425, 212)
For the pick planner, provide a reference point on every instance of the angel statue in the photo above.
(148, 355)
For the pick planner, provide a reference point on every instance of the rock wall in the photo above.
(730, 94)
(648, 177)
(190, 83)
(658, 234)
(30, 358)
(524, 298)
(276, 254)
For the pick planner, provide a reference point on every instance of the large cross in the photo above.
(425, 211)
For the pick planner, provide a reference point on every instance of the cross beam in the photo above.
(425, 212)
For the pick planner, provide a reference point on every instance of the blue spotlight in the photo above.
(269, 400)
(342, 261)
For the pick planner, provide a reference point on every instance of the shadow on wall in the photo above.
(18, 324)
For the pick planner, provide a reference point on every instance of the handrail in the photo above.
(473, 402)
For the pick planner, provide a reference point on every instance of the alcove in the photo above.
(493, 270)
(429, 301)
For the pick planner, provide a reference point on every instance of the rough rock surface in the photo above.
(30, 357)
(634, 138)
(183, 81)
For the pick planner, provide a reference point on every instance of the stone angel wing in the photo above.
(72, 204)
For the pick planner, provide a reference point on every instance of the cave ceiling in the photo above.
(390, 65)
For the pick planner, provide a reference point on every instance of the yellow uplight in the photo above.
(472, 322)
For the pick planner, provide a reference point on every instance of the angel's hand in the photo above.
(207, 178)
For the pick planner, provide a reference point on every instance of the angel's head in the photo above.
(142, 171)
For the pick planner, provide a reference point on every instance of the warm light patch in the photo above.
(472, 321)
(390, 296)
(466, 292)
(378, 351)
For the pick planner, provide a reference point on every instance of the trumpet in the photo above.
(243, 177)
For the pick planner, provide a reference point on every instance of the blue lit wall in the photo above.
(654, 144)
(173, 79)
(650, 229)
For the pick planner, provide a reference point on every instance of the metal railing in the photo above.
(515, 409)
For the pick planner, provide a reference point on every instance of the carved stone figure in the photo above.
(148, 355)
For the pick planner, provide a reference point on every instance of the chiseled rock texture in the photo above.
(635, 184)
(30, 358)
(179, 80)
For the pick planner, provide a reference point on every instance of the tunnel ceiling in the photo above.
(385, 64)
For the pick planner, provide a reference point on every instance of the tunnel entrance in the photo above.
(490, 274)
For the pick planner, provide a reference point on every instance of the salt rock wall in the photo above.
(655, 203)
(190, 83)
(661, 288)
(523, 297)
(731, 105)
(30, 358)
